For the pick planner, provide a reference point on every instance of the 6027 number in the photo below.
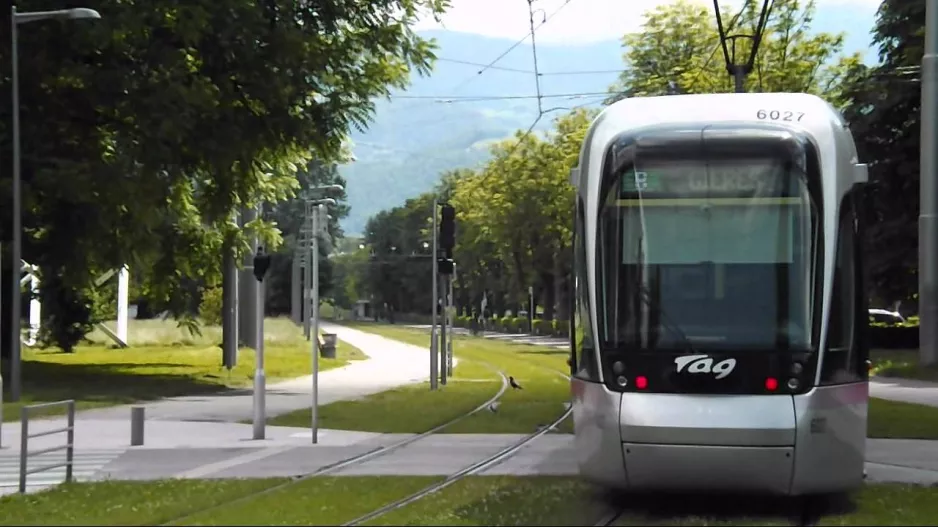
(779, 115)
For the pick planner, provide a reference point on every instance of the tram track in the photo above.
(364, 456)
(473, 469)
(610, 517)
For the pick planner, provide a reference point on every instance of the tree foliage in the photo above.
(884, 116)
(288, 218)
(515, 213)
(513, 230)
(143, 132)
(680, 43)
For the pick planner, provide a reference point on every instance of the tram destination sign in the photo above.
(695, 178)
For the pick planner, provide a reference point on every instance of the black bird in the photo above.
(516, 386)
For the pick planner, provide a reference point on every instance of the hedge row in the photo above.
(553, 328)
(883, 336)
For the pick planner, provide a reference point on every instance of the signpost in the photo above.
(261, 264)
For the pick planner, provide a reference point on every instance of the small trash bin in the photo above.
(329, 341)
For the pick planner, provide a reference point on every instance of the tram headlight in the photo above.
(618, 367)
(621, 381)
(797, 368)
(793, 384)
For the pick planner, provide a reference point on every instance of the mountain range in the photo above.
(447, 120)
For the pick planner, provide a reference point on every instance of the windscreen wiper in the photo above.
(666, 321)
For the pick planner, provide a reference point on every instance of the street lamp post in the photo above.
(17, 248)
(305, 297)
(315, 221)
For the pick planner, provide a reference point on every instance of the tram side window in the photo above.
(842, 359)
(584, 347)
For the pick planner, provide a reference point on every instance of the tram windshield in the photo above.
(707, 253)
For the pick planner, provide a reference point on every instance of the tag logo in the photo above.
(704, 364)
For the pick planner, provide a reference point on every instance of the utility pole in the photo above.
(446, 268)
(318, 213)
(451, 320)
(259, 265)
(443, 333)
(435, 294)
(229, 291)
(247, 328)
(313, 224)
(928, 209)
(296, 290)
(307, 270)
(1, 368)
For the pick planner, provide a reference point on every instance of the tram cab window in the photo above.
(844, 358)
(583, 347)
(715, 253)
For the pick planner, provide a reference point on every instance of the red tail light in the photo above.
(771, 384)
(641, 382)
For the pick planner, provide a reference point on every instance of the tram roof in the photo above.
(799, 110)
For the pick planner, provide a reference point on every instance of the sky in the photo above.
(577, 21)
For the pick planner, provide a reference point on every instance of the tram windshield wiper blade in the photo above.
(665, 320)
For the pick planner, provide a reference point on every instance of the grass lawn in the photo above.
(897, 420)
(124, 503)
(317, 501)
(901, 363)
(550, 500)
(164, 361)
(477, 500)
(409, 409)
(536, 368)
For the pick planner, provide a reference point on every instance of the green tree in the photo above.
(399, 267)
(144, 131)
(680, 43)
(884, 116)
(518, 209)
(288, 217)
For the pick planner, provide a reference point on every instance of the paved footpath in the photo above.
(211, 421)
(199, 439)
(390, 364)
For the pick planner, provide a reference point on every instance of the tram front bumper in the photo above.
(719, 443)
(709, 468)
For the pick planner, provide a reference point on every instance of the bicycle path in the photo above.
(390, 364)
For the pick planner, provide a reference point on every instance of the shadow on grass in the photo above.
(677, 508)
(549, 500)
(95, 385)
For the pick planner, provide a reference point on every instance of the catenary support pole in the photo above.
(928, 213)
(316, 216)
(435, 297)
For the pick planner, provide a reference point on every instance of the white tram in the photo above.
(718, 334)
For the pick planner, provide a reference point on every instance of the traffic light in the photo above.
(448, 228)
(261, 264)
(445, 266)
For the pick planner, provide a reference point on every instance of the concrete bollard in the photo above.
(136, 425)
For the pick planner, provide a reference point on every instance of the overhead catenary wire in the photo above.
(530, 33)
(476, 98)
(729, 27)
(737, 70)
(530, 72)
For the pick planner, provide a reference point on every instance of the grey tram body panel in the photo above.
(649, 414)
